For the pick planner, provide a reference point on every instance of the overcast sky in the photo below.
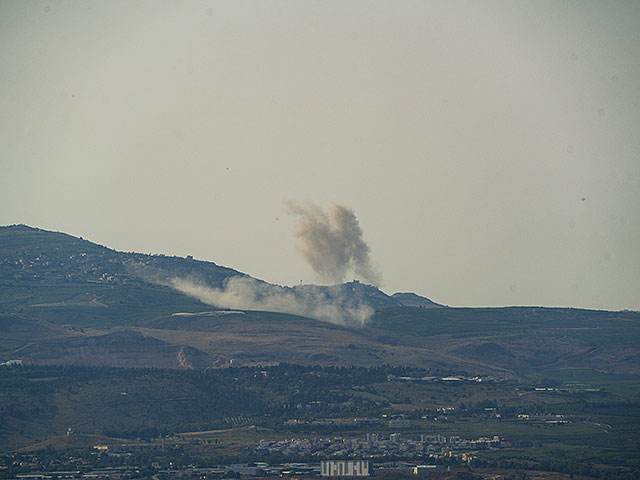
(490, 150)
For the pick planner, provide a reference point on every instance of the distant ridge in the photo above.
(43, 256)
(65, 300)
(55, 256)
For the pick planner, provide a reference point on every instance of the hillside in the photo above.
(39, 256)
(64, 300)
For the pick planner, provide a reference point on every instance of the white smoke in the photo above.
(250, 294)
(332, 242)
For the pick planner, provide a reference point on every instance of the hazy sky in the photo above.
(491, 150)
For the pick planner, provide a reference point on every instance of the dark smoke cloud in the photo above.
(332, 243)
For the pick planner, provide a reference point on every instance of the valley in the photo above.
(129, 352)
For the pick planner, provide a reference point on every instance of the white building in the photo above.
(420, 469)
(399, 423)
(345, 468)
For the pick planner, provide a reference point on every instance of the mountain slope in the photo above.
(410, 299)
(68, 301)
(36, 255)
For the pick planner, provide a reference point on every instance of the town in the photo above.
(374, 445)
(334, 456)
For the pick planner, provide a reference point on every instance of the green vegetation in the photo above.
(589, 326)
(116, 305)
(222, 411)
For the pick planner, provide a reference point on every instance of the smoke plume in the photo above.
(247, 293)
(331, 242)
